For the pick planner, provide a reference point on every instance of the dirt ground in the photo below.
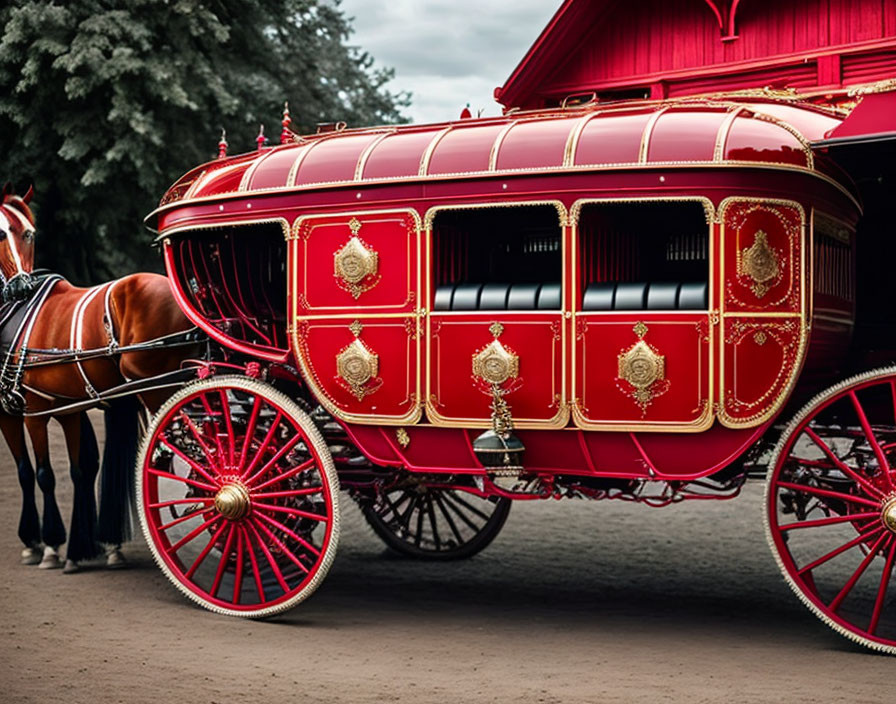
(574, 602)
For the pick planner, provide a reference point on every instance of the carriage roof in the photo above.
(668, 134)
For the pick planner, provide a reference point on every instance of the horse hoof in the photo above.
(31, 556)
(50, 560)
(115, 559)
(71, 567)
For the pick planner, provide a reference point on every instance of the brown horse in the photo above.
(73, 345)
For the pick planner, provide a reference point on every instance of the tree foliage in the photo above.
(104, 103)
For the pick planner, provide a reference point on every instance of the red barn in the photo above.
(603, 50)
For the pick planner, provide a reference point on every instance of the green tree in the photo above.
(104, 103)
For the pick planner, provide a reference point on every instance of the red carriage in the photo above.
(633, 301)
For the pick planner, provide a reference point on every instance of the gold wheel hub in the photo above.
(232, 501)
(888, 514)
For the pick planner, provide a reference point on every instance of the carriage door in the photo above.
(496, 319)
(763, 307)
(354, 313)
(642, 320)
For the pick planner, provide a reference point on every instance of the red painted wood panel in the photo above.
(639, 40)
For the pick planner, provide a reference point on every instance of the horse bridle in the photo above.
(21, 284)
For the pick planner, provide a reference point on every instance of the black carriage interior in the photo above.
(644, 256)
(497, 259)
(235, 277)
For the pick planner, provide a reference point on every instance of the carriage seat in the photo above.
(497, 296)
(659, 295)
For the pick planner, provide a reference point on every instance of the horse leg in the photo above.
(29, 522)
(83, 456)
(117, 477)
(53, 529)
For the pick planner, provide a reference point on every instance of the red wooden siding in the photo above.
(676, 47)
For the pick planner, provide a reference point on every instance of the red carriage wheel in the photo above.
(831, 507)
(237, 497)
(435, 523)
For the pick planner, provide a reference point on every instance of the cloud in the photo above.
(447, 52)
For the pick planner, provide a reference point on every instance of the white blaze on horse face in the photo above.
(6, 226)
(28, 243)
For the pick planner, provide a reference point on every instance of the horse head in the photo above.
(16, 244)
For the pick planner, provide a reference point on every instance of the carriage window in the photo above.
(506, 258)
(647, 255)
(235, 277)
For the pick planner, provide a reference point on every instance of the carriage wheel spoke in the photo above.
(449, 519)
(279, 543)
(419, 534)
(288, 493)
(194, 431)
(193, 534)
(238, 574)
(185, 517)
(291, 533)
(222, 563)
(432, 521)
(193, 463)
(815, 491)
(279, 455)
(176, 502)
(291, 511)
(872, 440)
(851, 582)
(473, 509)
(211, 419)
(178, 478)
(461, 514)
(842, 466)
(205, 551)
(298, 469)
(830, 520)
(259, 587)
(882, 589)
(265, 443)
(406, 516)
(837, 551)
(225, 411)
(250, 430)
(270, 558)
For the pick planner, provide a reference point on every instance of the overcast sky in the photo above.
(448, 52)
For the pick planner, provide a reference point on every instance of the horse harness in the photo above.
(17, 320)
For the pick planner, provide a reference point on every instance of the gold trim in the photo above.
(496, 145)
(290, 184)
(495, 364)
(760, 262)
(369, 310)
(648, 133)
(428, 152)
(358, 313)
(253, 167)
(561, 418)
(642, 367)
(718, 153)
(402, 437)
(430, 215)
(807, 148)
(357, 365)
(572, 141)
(706, 419)
(804, 281)
(547, 171)
(368, 150)
(355, 263)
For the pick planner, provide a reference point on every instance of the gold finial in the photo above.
(356, 328)
(496, 329)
